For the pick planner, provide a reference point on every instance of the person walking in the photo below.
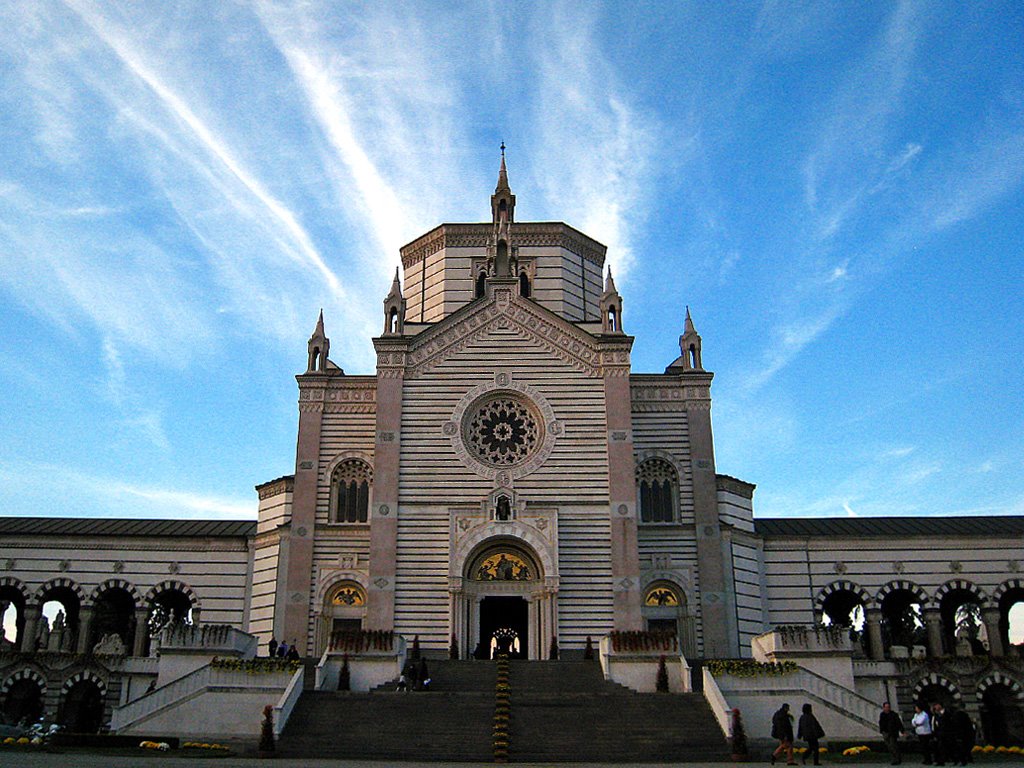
(891, 727)
(922, 722)
(810, 730)
(782, 729)
(942, 734)
(963, 735)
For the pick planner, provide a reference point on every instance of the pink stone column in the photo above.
(622, 491)
(293, 601)
(711, 578)
(380, 603)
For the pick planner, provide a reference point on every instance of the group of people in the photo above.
(809, 730)
(415, 676)
(283, 650)
(944, 734)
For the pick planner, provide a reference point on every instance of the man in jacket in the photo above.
(782, 729)
(891, 727)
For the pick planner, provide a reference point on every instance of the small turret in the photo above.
(689, 345)
(394, 309)
(611, 307)
(318, 348)
(503, 207)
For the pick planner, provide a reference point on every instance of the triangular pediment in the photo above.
(503, 309)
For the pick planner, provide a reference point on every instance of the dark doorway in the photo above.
(1002, 719)
(504, 626)
(24, 702)
(83, 708)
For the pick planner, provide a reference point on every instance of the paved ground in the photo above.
(10, 759)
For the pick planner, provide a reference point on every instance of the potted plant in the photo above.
(738, 738)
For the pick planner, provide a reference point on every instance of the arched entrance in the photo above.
(504, 627)
(24, 701)
(503, 603)
(82, 709)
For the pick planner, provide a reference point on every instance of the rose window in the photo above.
(502, 432)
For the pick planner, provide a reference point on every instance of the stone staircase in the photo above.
(562, 711)
(566, 711)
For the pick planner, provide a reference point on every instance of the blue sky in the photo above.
(834, 189)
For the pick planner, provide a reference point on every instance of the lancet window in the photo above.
(658, 490)
(352, 482)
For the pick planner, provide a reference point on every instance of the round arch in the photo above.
(1005, 588)
(1000, 678)
(961, 585)
(121, 584)
(902, 585)
(513, 533)
(665, 607)
(11, 583)
(340, 607)
(939, 681)
(83, 702)
(841, 586)
(27, 673)
(16, 593)
(59, 584)
(172, 585)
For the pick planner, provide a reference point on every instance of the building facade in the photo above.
(506, 481)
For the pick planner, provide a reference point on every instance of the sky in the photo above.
(835, 190)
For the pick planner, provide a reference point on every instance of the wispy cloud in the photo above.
(75, 492)
(135, 415)
(596, 147)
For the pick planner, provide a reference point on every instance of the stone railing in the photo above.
(201, 679)
(219, 639)
(719, 706)
(836, 697)
(801, 641)
(290, 697)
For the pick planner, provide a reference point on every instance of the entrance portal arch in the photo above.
(501, 600)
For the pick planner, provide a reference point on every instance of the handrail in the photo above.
(850, 703)
(177, 690)
(716, 700)
(159, 698)
(290, 697)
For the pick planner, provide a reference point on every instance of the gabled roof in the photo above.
(110, 526)
(878, 527)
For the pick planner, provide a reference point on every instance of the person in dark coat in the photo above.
(272, 646)
(782, 729)
(942, 735)
(891, 727)
(810, 730)
(962, 736)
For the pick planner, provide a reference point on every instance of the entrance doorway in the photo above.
(504, 627)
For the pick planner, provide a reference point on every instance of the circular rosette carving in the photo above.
(502, 430)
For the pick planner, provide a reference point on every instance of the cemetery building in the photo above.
(505, 482)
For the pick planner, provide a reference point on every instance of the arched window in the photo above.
(658, 488)
(351, 485)
(481, 280)
(524, 285)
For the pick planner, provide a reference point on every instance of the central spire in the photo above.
(503, 202)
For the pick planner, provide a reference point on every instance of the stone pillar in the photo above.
(710, 563)
(141, 630)
(84, 628)
(933, 626)
(625, 552)
(380, 599)
(32, 615)
(873, 621)
(995, 640)
(293, 597)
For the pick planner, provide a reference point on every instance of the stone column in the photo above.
(711, 568)
(32, 615)
(873, 620)
(84, 628)
(995, 640)
(380, 603)
(141, 630)
(291, 620)
(625, 553)
(933, 625)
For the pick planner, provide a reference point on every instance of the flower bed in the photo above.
(257, 666)
(500, 736)
(750, 668)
